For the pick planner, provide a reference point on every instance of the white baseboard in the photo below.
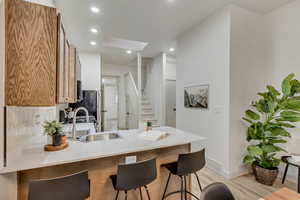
(242, 170)
(216, 167)
(219, 169)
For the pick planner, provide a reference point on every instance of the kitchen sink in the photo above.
(79, 134)
(101, 136)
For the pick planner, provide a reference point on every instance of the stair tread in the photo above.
(147, 105)
(148, 108)
(145, 119)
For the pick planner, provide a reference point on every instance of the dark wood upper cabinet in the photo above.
(31, 54)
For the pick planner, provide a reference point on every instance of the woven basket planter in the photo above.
(265, 176)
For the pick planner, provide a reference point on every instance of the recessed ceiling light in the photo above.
(95, 9)
(93, 43)
(94, 30)
(172, 49)
(129, 52)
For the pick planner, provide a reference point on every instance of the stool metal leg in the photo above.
(285, 172)
(147, 192)
(181, 187)
(182, 190)
(125, 194)
(185, 188)
(117, 195)
(298, 179)
(198, 182)
(141, 195)
(166, 186)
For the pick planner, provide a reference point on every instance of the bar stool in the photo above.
(73, 187)
(216, 191)
(187, 164)
(290, 162)
(134, 176)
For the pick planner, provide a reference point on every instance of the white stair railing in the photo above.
(132, 102)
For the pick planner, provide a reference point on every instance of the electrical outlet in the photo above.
(130, 159)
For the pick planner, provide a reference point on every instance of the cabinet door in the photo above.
(78, 74)
(60, 62)
(78, 66)
(72, 75)
(31, 50)
(66, 71)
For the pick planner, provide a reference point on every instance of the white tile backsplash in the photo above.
(24, 128)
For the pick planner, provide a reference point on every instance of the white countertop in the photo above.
(129, 142)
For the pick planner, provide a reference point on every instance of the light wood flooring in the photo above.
(243, 188)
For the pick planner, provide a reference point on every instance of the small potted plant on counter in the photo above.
(149, 126)
(269, 120)
(54, 130)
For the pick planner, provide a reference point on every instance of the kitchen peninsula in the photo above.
(101, 159)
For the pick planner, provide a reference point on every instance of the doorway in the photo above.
(170, 102)
(110, 99)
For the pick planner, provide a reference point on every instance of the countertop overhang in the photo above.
(129, 142)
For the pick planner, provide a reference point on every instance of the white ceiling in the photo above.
(117, 56)
(262, 6)
(156, 22)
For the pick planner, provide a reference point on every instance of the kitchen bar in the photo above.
(101, 159)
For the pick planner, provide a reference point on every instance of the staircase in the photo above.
(147, 113)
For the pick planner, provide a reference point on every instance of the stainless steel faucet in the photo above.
(74, 120)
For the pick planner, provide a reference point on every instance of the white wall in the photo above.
(170, 69)
(248, 76)
(90, 71)
(155, 86)
(283, 47)
(203, 58)
(145, 63)
(120, 70)
(91, 75)
(238, 53)
(264, 49)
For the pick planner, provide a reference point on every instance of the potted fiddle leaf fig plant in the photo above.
(270, 119)
(54, 130)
